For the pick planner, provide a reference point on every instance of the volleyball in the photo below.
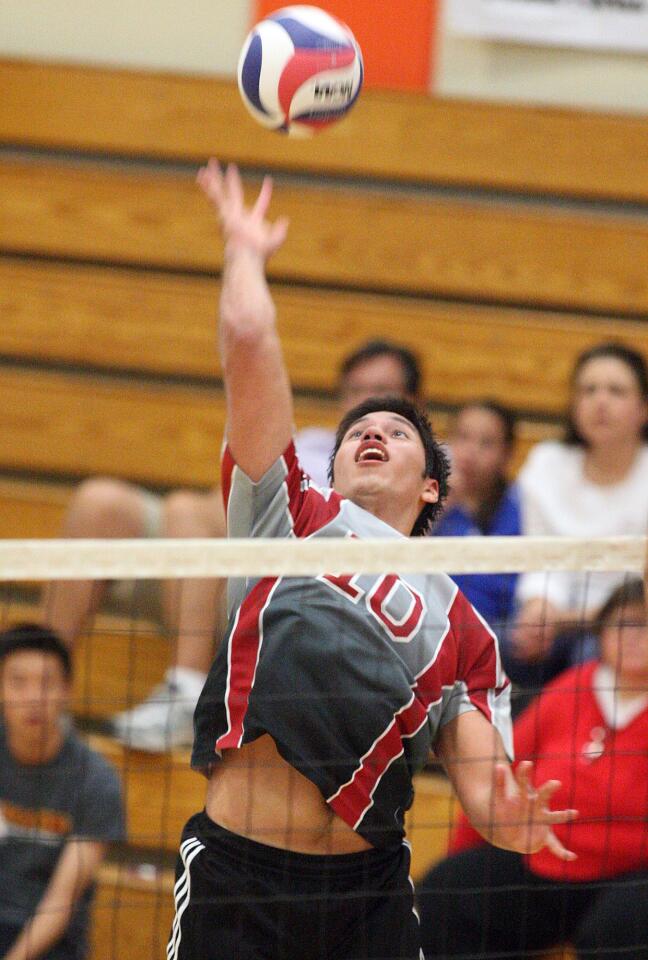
(300, 70)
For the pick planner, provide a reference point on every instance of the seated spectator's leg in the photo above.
(484, 901)
(616, 925)
(100, 507)
(193, 608)
(194, 614)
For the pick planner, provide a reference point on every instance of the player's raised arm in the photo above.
(259, 399)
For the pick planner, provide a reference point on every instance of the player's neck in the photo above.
(383, 508)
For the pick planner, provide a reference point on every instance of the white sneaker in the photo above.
(165, 720)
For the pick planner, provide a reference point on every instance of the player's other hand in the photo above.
(243, 227)
(523, 820)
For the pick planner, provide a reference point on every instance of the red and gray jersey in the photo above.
(352, 676)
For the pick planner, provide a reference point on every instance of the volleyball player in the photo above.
(329, 692)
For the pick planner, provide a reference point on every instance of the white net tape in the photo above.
(177, 558)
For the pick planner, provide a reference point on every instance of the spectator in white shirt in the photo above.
(592, 484)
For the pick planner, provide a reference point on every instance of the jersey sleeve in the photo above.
(269, 507)
(481, 681)
(283, 503)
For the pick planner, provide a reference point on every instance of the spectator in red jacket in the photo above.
(589, 730)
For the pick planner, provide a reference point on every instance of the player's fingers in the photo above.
(211, 172)
(560, 816)
(234, 185)
(210, 180)
(547, 790)
(523, 778)
(278, 232)
(556, 847)
(260, 208)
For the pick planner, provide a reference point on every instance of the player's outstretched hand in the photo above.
(242, 226)
(524, 821)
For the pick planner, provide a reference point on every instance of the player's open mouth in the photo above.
(371, 452)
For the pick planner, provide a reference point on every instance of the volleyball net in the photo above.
(125, 649)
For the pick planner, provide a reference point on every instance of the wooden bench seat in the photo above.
(164, 324)
(161, 792)
(428, 821)
(132, 913)
(59, 423)
(31, 509)
(388, 135)
(72, 425)
(360, 239)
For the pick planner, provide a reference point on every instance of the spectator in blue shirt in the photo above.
(482, 501)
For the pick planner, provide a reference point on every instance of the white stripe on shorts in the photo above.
(182, 893)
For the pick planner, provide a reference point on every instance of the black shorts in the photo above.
(241, 900)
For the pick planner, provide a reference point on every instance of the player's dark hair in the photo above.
(617, 351)
(487, 509)
(32, 636)
(437, 465)
(628, 594)
(386, 348)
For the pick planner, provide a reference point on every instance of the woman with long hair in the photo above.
(482, 499)
(594, 483)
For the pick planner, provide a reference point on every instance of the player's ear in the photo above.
(430, 492)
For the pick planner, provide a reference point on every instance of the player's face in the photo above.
(624, 645)
(380, 465)
(480, 453)
(381, 376)
(34, 692)
(608, 407)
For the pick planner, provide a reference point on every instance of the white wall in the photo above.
(202, 36)
(205, 36)
(507, 71)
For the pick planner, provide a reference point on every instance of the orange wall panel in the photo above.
(396, 37)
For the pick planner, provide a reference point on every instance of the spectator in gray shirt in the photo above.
(60, 804)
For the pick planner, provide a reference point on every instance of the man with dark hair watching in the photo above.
(60, 804)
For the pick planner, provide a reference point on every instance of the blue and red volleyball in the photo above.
(300, 70)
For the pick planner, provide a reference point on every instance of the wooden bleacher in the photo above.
(475, 233)
(111, 269)
(171, 437)
(388, 136)
(75, 423)
(358, 238)
(131, 913)
(118, 319)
